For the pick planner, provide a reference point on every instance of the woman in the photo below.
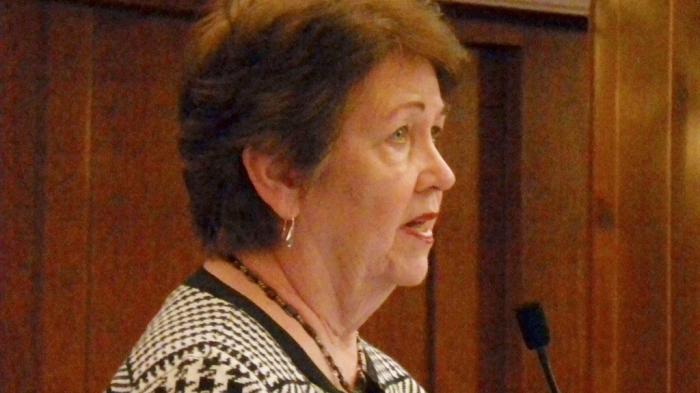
(309, 147)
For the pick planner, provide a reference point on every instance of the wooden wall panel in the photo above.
(685, 187)
(67, 197)
(646, 100)
(455, 272)
(604, 269)
(555, 187)
(167, 6)
(537, 173)
(499, 198)
(142, 247)
(20, 193)
(643, 204)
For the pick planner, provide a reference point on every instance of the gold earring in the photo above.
(288, 232)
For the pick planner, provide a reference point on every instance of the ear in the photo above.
(275, 183)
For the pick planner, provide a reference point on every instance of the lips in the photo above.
(421, 227)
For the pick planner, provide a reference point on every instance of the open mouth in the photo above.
(422, 227)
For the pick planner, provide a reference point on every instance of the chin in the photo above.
(411, 273)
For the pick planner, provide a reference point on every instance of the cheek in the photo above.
(382, 203)
(365, 200)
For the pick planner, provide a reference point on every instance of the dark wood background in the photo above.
(575, 146)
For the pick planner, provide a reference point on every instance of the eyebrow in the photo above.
(421, 105)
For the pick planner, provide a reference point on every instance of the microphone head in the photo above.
(533, 325)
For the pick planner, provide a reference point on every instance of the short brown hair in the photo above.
(275, 75)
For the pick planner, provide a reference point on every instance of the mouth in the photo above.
(421, 227)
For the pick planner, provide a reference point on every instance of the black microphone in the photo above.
(533, 326)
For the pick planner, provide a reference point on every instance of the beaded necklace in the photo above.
(294, 314)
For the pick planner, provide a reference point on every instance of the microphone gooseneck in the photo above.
(533, 326)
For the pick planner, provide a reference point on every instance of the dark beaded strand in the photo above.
(293, 313)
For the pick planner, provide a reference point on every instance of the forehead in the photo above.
(393, 82)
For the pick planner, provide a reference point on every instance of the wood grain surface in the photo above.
(685, 203)
(577, 167)
(21, 194)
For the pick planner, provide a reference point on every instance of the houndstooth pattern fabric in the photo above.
(201, 343)
(390, 376)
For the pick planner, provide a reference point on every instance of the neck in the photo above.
(320, 304)
(333, 302)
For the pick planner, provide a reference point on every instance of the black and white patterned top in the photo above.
(209, 338)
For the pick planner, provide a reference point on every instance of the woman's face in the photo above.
(371, 208)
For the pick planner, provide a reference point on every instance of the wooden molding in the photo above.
(568, 7)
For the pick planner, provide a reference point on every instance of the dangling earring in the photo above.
(288, 232)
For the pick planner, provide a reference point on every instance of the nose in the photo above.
(437, 174)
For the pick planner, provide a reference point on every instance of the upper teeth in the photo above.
(425, 231)
(421, 225)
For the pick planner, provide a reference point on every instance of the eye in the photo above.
(435, 132)
(400, 135)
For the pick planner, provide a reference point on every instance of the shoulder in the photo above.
(388, 373)
(198, 340)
